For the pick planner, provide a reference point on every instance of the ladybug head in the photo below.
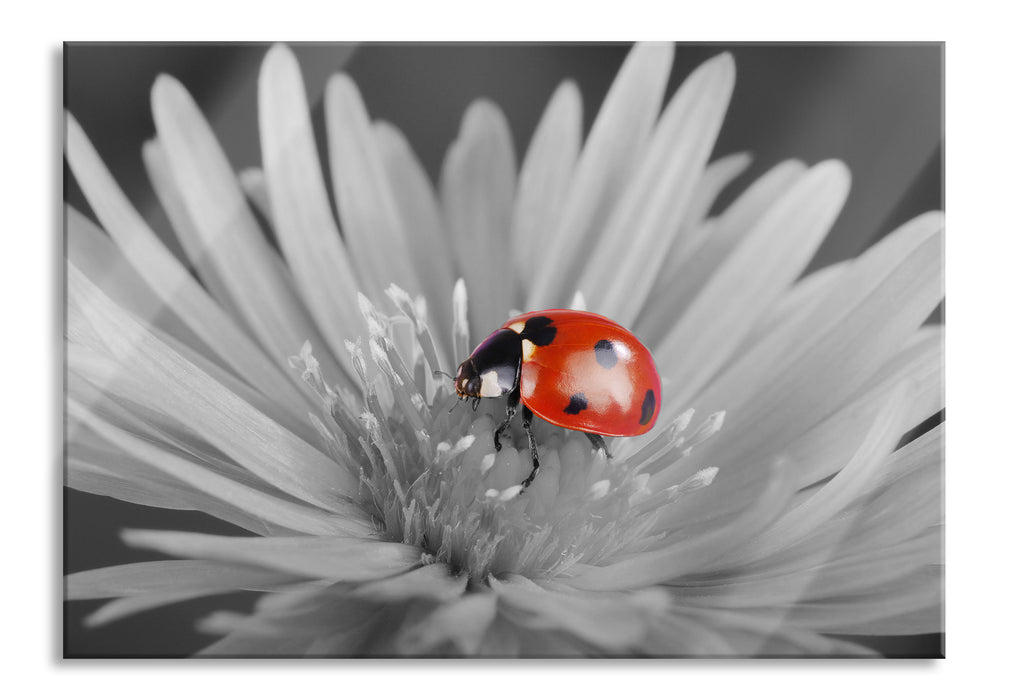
(467, 381)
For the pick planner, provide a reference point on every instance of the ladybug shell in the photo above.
(591, 374)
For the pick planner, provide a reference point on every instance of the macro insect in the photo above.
(574, 369)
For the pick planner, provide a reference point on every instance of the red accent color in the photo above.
(568, 365)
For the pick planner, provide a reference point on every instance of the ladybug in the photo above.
(575, 369)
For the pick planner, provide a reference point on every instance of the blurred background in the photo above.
(877, 107)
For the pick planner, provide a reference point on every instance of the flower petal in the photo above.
(301, 214)
(253, 183)
(613, 622)
(478, 193)
(545, 178)
(897, 530)
(696, 256)
(717, 175)
(927, 620)
(690, 263)
(801, 298)
(98, 257)
(433, 582)
(258, 282)
(259, 643)
(160, 175)
(619, 270)
(109, 472)
(464, 622)
(195, 400)
(312, 621)
(90, 366)
(241, 645)
(124, 607)
(867, 572)
(176, 575)
(825, 448)
(846, 486)
(428, 239)
(833, 574)
(286, 514)
(757, 272)
(168, 278)
(813, 508)
(613, 148)
(913, 600)
(328, 557)
(694, 550)
(800, 374)
(500, 641)
(460, 321)
(376, 236)
(680, 635)
(907, 508)
(925, 452)
(132, 294)
(95, 466)
(761, 634)
(551, 644)
(101, 262)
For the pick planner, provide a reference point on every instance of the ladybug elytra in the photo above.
(574, 369)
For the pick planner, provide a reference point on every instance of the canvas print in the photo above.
(503, 350)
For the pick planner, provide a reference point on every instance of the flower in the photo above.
(293, 390)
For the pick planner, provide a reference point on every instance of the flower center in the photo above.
(431, 477)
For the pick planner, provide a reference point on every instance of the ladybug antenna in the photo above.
(456, 404)
(476, 402)
(444, 374)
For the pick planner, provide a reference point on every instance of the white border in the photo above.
(976, 261)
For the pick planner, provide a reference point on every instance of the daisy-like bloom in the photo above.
(291, 389)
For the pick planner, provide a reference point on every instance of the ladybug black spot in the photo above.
(605, 354)
(647, 407)
(539, 330)
(578, 404)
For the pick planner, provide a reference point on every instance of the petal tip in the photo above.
(835, 171)
(278, 51)
(132, 537)
(341, 86)
(720, 69)
(725, 61)
(479, 111)
(279, 59)
(935, 219)
(568, 88)
(659, 53)
(167, 93)
(164, 85)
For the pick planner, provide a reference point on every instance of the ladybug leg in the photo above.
(527, 417)
(510, 410)
(599, 444)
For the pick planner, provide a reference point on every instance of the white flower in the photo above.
(293, 392)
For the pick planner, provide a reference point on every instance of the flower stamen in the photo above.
(436, 481)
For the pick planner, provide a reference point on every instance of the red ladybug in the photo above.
(574, 369)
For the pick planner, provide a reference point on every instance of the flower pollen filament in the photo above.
(436, 482)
